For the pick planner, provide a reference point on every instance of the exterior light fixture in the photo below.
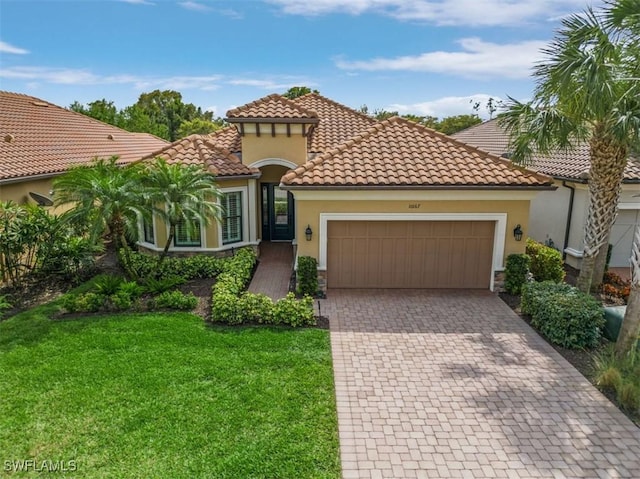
(517, 233)
(308, 233)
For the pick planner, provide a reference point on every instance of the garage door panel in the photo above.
(407, 254)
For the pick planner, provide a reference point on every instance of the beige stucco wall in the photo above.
(291, 148)
(308, 213)
(19, 192)
(548, 215)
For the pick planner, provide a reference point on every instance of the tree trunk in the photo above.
(600, 265)
(167, 245)
(607, 163)
(630, 328)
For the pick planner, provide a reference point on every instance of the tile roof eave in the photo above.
(548, 187)
(313, 121)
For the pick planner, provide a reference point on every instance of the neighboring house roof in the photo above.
(271, 107)
(338, 123)
(200, 150)
(574, 164)
(39, 138)
(401, 153)
(227, 138)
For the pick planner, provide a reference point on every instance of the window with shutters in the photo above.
(188, 234)
(147, 228)
(232, 217)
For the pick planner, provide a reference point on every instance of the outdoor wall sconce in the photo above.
(308, 233)
(517, 233)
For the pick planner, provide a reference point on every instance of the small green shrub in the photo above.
(226, 308)
(256, 308)
(89, 302)
(620, 375)
(546, 262)
(107, 284)
(194, 267)
(157, 286)
(175, 300)
(563, 314)
(131, 289)
(4, 305)
(307, 276)
(120, 301)
(294, 312)
(516, 271)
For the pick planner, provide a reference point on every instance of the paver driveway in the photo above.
(454, 384)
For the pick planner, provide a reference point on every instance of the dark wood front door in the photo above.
(277, 213)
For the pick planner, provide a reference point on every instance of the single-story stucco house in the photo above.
(558, 216)
(379, 204)
(39, 140)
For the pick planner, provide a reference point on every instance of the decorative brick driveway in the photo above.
(454, 384)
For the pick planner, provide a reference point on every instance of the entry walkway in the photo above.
(454, 384)
(274, 270)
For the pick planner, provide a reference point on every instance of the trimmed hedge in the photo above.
(563, 314)
(233, 305)
(546, 262)
(307, 276)
(515, 273)
(193, 267)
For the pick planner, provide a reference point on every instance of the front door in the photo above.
(277, 213)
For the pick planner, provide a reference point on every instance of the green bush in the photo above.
(256, 308)
(175, 300)
(90, 302)
(120, 301)
(194, 267)
(563, 314)
(620, 375)
(226, 308)
(107, 284)
(131, 289)
(4, 305)
(169, 282)
(546, 262)
(515, 273)
(294, 312)
(307, 276)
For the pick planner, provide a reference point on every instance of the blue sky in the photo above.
(415, 56)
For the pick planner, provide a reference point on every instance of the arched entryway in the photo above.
(277, 206)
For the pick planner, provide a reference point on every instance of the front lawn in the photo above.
(164, 395)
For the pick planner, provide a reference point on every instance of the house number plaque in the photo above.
(414, 206)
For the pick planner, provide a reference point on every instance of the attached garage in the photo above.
(410, 254)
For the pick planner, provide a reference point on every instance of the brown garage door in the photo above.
(409, 254)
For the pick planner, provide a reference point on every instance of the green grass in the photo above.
(163, 395)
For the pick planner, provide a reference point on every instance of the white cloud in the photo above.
(447, 106)
(7, 48)
(476, 59)
(440, 12)
(70, 76)
(195, 6)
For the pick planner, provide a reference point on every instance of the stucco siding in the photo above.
(548, 216)
(291, 148)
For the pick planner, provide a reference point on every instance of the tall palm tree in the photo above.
(587, 90)
(105, 197)
(181, 194)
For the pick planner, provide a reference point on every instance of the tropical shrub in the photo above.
(307, 276)
(293, 312)
(4, 305)
(563, 314)
(620, 374)
(615, 286)
(256, 308)
(107, 284)
(516, 271)
(174, 300)
(157, 286)
(546, 263)
(194, 267)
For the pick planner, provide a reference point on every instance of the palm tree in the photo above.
(180, 194)
(586, 91)
(105, 197)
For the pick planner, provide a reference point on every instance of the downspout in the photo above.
(569, 217)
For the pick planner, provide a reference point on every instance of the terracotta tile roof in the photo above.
(338, 123)
(38, 137)
(400, 153)
(574, 164)
(271, 107)
(227, 138)
(200, 150)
